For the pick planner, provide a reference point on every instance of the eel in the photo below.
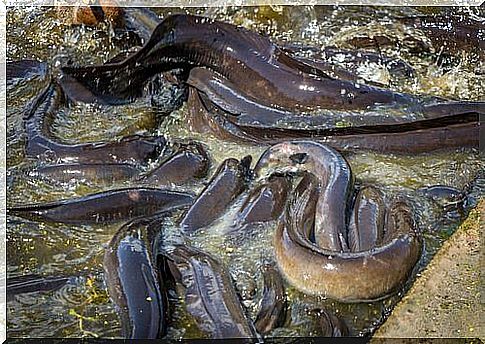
(252, 62)
(189, 162)
(106, 173)
(40, 143)
(209, 294)
(366, 227)
(25, 69)
(131, 275)
(228, 182)
(247, 111)
(105, 207)
(328, 324)
(260, 83)
(32, 283)
(272, 312)
(265, 202)
(335, 182)
(450, 33)
(205, 117)
(346, 276)
(445, 196)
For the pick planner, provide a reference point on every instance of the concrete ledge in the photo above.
(445, 301)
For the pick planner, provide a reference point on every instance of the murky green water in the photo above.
(82, 307)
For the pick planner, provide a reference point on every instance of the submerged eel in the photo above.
(326, 266)
(40, 112)
(273, 309)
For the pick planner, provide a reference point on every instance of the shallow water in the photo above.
(82, 307)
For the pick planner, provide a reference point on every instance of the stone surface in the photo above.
(447, 299)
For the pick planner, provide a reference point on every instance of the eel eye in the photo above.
(299, 158)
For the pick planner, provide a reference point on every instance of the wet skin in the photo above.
(251, 62)
(328, 325)
(209, 293)
(205, 117)
(132, 278)
(105, 207)
(40, 143)
(450, 33)
(40, 112)
(246, 111)
(105, 173)
(25, 69)
(335, 183)
(272, 313)
(34, 283)
(189, 162)
(264, 202)
(366, 227)
(228, 182)
(326, 267)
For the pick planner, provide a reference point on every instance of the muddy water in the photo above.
(82, 307)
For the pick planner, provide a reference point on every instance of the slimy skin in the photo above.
(132, 280)
(189, 162)
(258, 67)
(205, 117)
(106, 207)
(272, 312)
(265, 202)
(366, 227)
(335, 183)
(105, 173)
(40, 143)
(228, 182)
(32, 283)
(209, 294)
(248, 112)
(326, 266)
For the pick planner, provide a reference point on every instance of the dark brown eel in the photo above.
(209, 293)
(272, 312)
(105, 207)
(366, 227)
(131, 275)
(189, 162)
(256, 66)
(265, 202)
(247, 111)
(40, 143)
(263, 87)
(228, 182)
(324, 265)
(206, 117)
